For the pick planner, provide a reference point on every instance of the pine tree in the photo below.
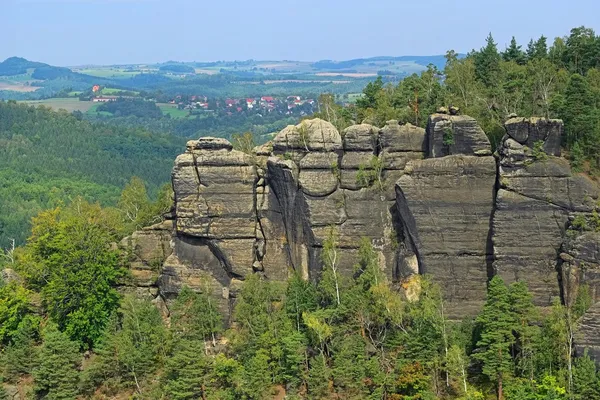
(20, 356)
(186, 371)
(496, 323)
(586, 385)
(487, 63)
(514, 53)
(525, 314)
(57, 375)
(319, 376)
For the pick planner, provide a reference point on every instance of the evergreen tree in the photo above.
(577, 112)
(20, 356)
(57, 376)
(186, 371)
(537, 49)
(133, 346)
(371, 91)
(319, 377)
(514, 53)
(525, 314)
(496, 324)
(586, 385)
(487, 63)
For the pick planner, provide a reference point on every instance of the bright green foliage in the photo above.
(14, 306)
(47, 158)
(243, 142)
(68, 257)
(187, 370)
(496, 321)
(135, 206)
(330, 284)
(300, 297)
(57, 375)
(226, 379)
(132, 347)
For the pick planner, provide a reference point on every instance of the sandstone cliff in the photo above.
(432, 200)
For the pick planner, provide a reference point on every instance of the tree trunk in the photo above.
(500, 393)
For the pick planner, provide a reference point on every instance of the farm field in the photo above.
(172, 110)
(17, 86)
(113, 91)
(67, 104)
(108, 72)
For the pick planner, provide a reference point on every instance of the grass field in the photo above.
(172, 110)
(113, 91)
(108, 72)
(69, 105)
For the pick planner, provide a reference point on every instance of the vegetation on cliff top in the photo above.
(557, 81)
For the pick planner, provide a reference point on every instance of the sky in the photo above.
(79, 32)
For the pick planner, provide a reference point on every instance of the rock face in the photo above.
(536, 194)
(431, 201)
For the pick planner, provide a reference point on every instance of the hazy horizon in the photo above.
(109, 32)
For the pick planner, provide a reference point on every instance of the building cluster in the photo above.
(286, 105)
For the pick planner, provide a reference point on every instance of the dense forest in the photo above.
(70, 328)
(48, 158)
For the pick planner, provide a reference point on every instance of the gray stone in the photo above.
(454, 134)
(361, 137)
(395, 137)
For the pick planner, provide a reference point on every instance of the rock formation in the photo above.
(431, 201)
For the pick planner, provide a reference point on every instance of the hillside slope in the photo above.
(47, 157)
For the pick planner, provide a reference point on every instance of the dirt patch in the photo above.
(17, 87)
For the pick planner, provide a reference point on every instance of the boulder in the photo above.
(309, 135)
(456, 134)
(361, 137)
(529, 131)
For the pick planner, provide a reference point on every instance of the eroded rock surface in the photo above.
(432, 201)
(537, 191)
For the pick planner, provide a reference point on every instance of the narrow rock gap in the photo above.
(489, 244)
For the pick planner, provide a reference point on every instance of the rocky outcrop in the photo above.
(537, 191)
(431, 201)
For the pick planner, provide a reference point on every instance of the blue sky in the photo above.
(75, 32)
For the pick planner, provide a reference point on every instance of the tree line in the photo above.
(552, 80)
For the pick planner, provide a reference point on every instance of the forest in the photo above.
(557, 80)
(48, 158)
(70, 328)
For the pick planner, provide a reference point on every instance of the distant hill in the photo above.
(18, 66)
(438, 60)
(47, 158)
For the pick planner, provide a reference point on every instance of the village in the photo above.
(288, 105)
